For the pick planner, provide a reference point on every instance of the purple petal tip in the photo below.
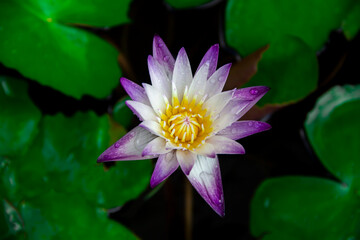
(251, 93)
(265, 126)
(123, 80)
(103, 158)
(157, 39)
(182, 52)
(218, 207)
(215, 47)
(258, 90)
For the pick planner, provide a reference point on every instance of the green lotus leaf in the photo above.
(99, 13)
(63, 158)
(304, 208)
(315, 208)
(55, 215)
(19, 117)
(122, 114)
(289, 67)
(332, 128)
(54, 53)
(251, 24)
(351, 24)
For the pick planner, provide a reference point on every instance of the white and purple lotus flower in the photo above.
(187, 120)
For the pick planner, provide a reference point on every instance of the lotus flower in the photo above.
(187, 120)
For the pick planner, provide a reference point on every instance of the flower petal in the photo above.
(243, 129)
(170, 145)
(206, 149)
(242, 101)
(198, 85)
(186, 160)
(143, 111)
(182, 75)
(129, 147)
(251, 93)
(136, 92)
(156, 147)
(152, 127)
(211, 56)
(230, 113)
(206, 178)
(158, 77)
(216, 82)
(224, 145)
(216, 103)
(156, 99)
(165, 166)
(162, 54)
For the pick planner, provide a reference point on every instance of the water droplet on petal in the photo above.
(117, 144)
(221, 79)
(166, 58)
(253, 91)
(234, 130)
(250, 124)
(160, 45)
(212, 80)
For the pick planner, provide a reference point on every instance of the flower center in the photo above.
(185, 125)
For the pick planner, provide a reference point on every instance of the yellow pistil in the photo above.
(185, 124)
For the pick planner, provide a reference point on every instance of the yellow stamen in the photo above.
(185, 122)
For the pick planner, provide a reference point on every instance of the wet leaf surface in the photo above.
(19, 117)
(56, 54)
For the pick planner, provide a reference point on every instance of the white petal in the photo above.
(224, 145)
(182, 75)
(231, 113)
(198, 85)
(156, 99)
(158, 77)
(216, 82)
(216, 103)
(144, 112)
(206, 149)
(170, 145)
(186, 160)
(129, 147)
(206, 178)
(152, 127)
(242, 101)
(155, 147)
